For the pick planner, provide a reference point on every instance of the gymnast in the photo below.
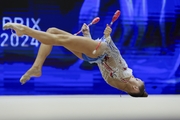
(103, 52)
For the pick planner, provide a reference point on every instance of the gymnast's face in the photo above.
(134, 84)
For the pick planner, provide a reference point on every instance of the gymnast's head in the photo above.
(136, 88)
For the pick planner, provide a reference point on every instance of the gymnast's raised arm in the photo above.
(86, 31)
(107, 33)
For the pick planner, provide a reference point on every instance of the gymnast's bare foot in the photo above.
(19, 28)
(32, 72)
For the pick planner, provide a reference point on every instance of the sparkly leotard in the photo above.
(111, 63)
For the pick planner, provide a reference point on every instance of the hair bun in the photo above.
(145, 94)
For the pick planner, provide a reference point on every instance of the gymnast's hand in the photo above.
(107, 31)
(85, 29)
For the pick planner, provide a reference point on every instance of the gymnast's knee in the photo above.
(51, 30)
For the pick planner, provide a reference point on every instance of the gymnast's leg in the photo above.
(35, 70)
(75, 43)
(44, 51)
